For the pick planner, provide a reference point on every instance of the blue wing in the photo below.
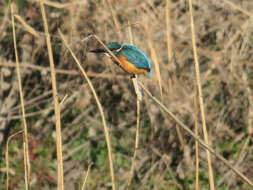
(135, 56)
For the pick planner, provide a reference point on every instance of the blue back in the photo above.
(136, 57)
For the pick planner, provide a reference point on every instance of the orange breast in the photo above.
(129, 67)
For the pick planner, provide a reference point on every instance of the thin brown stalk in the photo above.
(130, 33)
(7, 156)
(250, 112)
(201, 103)
(4, 20)
(168, 28)
(61, 71)
(169, 40)
(63, 100)
(60, 183)
(196, 142)
(27, 26)
(130, 177)
(200, 141)
(153, 57)
(136, 88)
(86, 176)
(115, 20)
(180, 137)
(236, 7)
(25, 134)
(157, 68)
(14, 117)
(57, 5)
(107, 137)
(106, 48)
(134, 80)
(138, 99)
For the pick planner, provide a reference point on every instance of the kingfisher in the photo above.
(132, 60)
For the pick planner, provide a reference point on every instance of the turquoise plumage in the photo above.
(136, 57)
(129, 55)
(132, 55)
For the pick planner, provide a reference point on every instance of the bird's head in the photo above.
(115, 47)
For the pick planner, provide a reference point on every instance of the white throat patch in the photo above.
(115, 51)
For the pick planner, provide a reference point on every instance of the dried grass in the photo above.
(60, 181)
(27, 166)
(200, 97)
(162, 30)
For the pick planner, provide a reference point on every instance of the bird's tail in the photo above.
(149, 75)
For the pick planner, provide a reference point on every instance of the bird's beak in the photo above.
(98, 51)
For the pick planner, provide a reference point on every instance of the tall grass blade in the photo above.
(60, 183)
(25, 134)
(107, 137)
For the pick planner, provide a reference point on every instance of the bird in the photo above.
(132, 60)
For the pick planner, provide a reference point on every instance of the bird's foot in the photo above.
(133, 76)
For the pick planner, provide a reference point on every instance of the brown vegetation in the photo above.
(86, 109)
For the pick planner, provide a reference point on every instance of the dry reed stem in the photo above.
(7, 156)
(168, 28)
(25, 134)
(250, 116)
(4, 19)
(157, 68)
(153, 55)
(155, 60)
(63, 100)
(62, 71)
(180, 138)
(227, 45)
(200, 141)
(248, 63)
(106, 48)
(136, 88)
(20, 116)
(57, 5)
(201, 103)
(115, 20)
(130, 33)
(134, 80)
(131, 173)
(27, 26)
(26, 159)
(237, 34)
(86, 176)
(250, 112)
(99, 107)
(169, 40)
(238, 8)
(196, 142)
(60, 183)
(138, 99)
